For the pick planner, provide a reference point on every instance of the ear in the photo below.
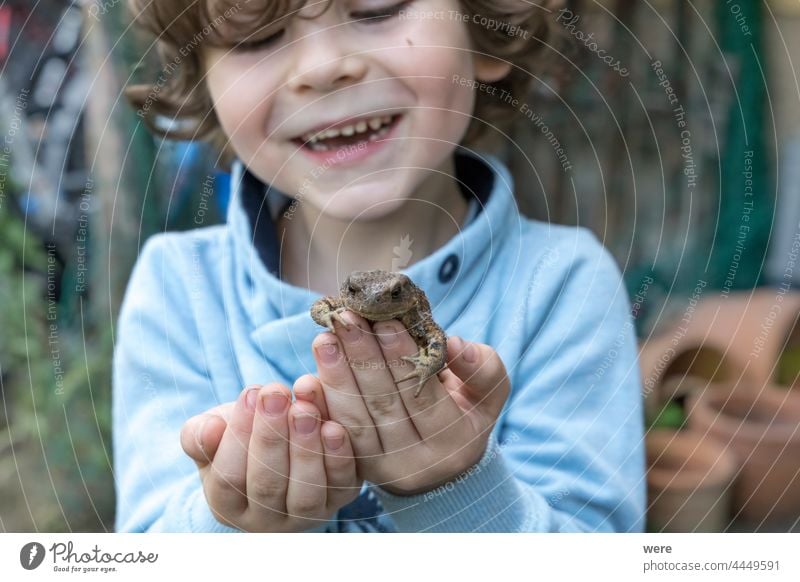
(490, 70)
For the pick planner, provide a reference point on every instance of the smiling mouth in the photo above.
(362, 131)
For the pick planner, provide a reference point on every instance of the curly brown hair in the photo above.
(178, 105)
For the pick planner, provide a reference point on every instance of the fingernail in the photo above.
(308, 396)
(334, 442)
(351, 333)
(328, 354)
(470, 354)
(199, 434)
(458, 345)
(305, 424)
(387, 335)
(274, 403)
(250, 398)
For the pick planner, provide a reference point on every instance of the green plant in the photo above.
(56, 383)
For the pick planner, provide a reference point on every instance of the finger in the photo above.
(376, 384)
(309, 389)
(482, 373)
(345, 403)
(200, 437)
(340, 466)
(222, 410)
(432, 411)
(226, 481)
(268, 461)
(306, 496)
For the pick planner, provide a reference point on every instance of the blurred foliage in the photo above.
(789, 367)
(55, 467)
(22, 269)
(671, 416)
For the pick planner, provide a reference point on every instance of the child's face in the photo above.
(330, 71)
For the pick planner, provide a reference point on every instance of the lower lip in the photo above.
(354, 153)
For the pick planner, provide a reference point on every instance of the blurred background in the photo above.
(671, 128)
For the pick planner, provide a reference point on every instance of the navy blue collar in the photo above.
(264, 204)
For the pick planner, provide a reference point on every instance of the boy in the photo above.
(345, 121)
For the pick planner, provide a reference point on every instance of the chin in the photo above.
(364, 213)
(361, 204)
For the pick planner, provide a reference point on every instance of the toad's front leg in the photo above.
(327, 309)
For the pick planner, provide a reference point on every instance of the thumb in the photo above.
(481, 371)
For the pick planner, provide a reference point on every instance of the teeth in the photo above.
(374, 124)
(319, 147)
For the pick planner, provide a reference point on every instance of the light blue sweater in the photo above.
(204, 316)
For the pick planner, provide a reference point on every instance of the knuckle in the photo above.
(267, 489)
(270, 438)
(356, 427)
(383, 404)
(306, 505)
(227, 482)
(341, 472)
(304, 454)
(357, 431)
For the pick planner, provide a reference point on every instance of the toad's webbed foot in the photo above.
(426, 365)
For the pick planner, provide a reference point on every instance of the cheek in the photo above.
(446, 107)
(433, 69)
(238, 104)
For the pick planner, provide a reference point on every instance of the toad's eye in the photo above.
(396, 291)
(380, 14)
(352, 289)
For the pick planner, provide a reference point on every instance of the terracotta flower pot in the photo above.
(752, 329)
(688, 482)
(762, 429)
(673, 365)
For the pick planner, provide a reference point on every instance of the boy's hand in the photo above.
(405, 444)
(270, 465)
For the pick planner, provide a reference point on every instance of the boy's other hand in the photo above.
(405, 444)
(271, 465)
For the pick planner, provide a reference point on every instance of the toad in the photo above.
(383, 295)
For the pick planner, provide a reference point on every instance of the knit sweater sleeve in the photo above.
(159, 381)
(567, 454)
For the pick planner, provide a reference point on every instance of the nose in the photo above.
(324, 61)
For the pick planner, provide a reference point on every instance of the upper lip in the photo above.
(344, 122)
